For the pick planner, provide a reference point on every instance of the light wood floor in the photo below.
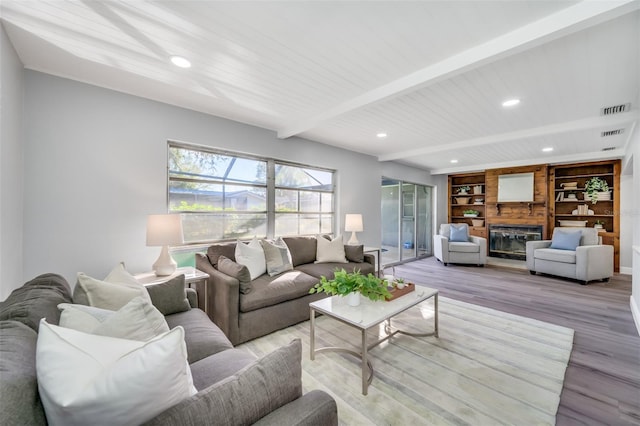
(602, 383)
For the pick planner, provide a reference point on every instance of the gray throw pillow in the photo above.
(258, 389)
(277, 256)
(169, 297)
(354, 253)
(237, 271)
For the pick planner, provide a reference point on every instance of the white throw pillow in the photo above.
(252, 256)
(277, 256)
(137, 320)
(84, 379)
(330, 251)
(112, 293)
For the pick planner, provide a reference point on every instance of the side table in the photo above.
(191, 276)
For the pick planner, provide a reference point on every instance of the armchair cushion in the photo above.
(459, 233)
(464, 247)
(555, 255)
(566, 239)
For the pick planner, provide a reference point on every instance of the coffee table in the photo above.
(366, 316)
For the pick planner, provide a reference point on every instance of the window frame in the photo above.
(270, 188)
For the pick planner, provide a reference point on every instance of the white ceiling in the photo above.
(431, 74)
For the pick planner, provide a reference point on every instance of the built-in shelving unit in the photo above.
(473, 198)
(569, 204)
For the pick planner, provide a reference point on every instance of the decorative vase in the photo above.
(353, 298)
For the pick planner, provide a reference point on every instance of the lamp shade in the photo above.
(164, 230)
(353, 223)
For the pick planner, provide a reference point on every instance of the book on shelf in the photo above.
(560, 196)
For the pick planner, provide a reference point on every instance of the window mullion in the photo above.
(271, 198)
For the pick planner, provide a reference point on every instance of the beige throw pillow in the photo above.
(112, 293)
(137, 320)
(330, 251)
(277, 255)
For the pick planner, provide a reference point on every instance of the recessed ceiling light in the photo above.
(454, 161)
(547, 149)
(511, 102)
(181, 62)
(381, 135)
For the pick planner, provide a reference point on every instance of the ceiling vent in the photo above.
(609, 148)
(611, 133)
(615, 109)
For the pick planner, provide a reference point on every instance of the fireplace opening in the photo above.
(510, 241)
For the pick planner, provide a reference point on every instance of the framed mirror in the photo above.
(515, 187)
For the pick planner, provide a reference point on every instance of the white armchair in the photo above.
(472, 250)
(588, 262)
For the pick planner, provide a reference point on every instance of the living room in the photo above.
(85, 163)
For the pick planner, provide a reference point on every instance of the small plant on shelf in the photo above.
(464, 189)
(471, 213)
(595, 185)
(599, 224)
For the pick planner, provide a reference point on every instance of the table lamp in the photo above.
(353, 224)
(164, 230)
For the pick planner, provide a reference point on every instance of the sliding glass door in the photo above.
(407, 221)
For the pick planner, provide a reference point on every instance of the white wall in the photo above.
(97, 166)
(626, 222)
(632, 159)
(11, 165)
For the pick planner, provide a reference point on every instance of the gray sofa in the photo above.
(274, 302)
(588, 262)
(233, 387)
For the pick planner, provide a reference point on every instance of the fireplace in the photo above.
(510, 241)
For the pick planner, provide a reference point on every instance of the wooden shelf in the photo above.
(605, 210)
(455, 210)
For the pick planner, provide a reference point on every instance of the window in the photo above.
(227, 196)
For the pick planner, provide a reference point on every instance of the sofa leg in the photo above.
(532, 272)
(605, 280)
(584, 282)
(444, 263)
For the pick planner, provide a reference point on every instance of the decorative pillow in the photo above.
(170, 297)
(137, 320)
(459, 233)
(112, 293)
(330, 251)
(277, 256)
(354, 253)
(565, 240)
(252, 256)
(87, 379)
(258, 389)
(237, 271)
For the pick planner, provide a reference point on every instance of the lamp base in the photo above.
(353, 241)
(165, 265)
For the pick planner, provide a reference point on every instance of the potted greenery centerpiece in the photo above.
(353, 284)
(596, 188)
(470, 213)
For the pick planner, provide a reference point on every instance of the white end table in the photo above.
(191, 276)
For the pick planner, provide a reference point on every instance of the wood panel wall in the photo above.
(517, 213)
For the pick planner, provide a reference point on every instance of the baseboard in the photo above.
(625, 270)
(635, 313)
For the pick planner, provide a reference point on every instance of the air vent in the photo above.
(609, 148)
(615, 109)
(611, 133)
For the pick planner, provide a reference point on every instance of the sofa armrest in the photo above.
(192, 297)
(370, 258)
(224, 296)
(594, 262)
(244, 398)
(314, 408)
(482, 242)
(531, 247)
(441, 248)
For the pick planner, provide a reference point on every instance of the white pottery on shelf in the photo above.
(477, 189)
(470, 215)
(602, 196)
(353, 298)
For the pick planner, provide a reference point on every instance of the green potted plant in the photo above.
(463, 189)
(596, 188)
(599, 224)
(470, 213)
(353, 284)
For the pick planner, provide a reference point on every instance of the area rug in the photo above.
(486, 368)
